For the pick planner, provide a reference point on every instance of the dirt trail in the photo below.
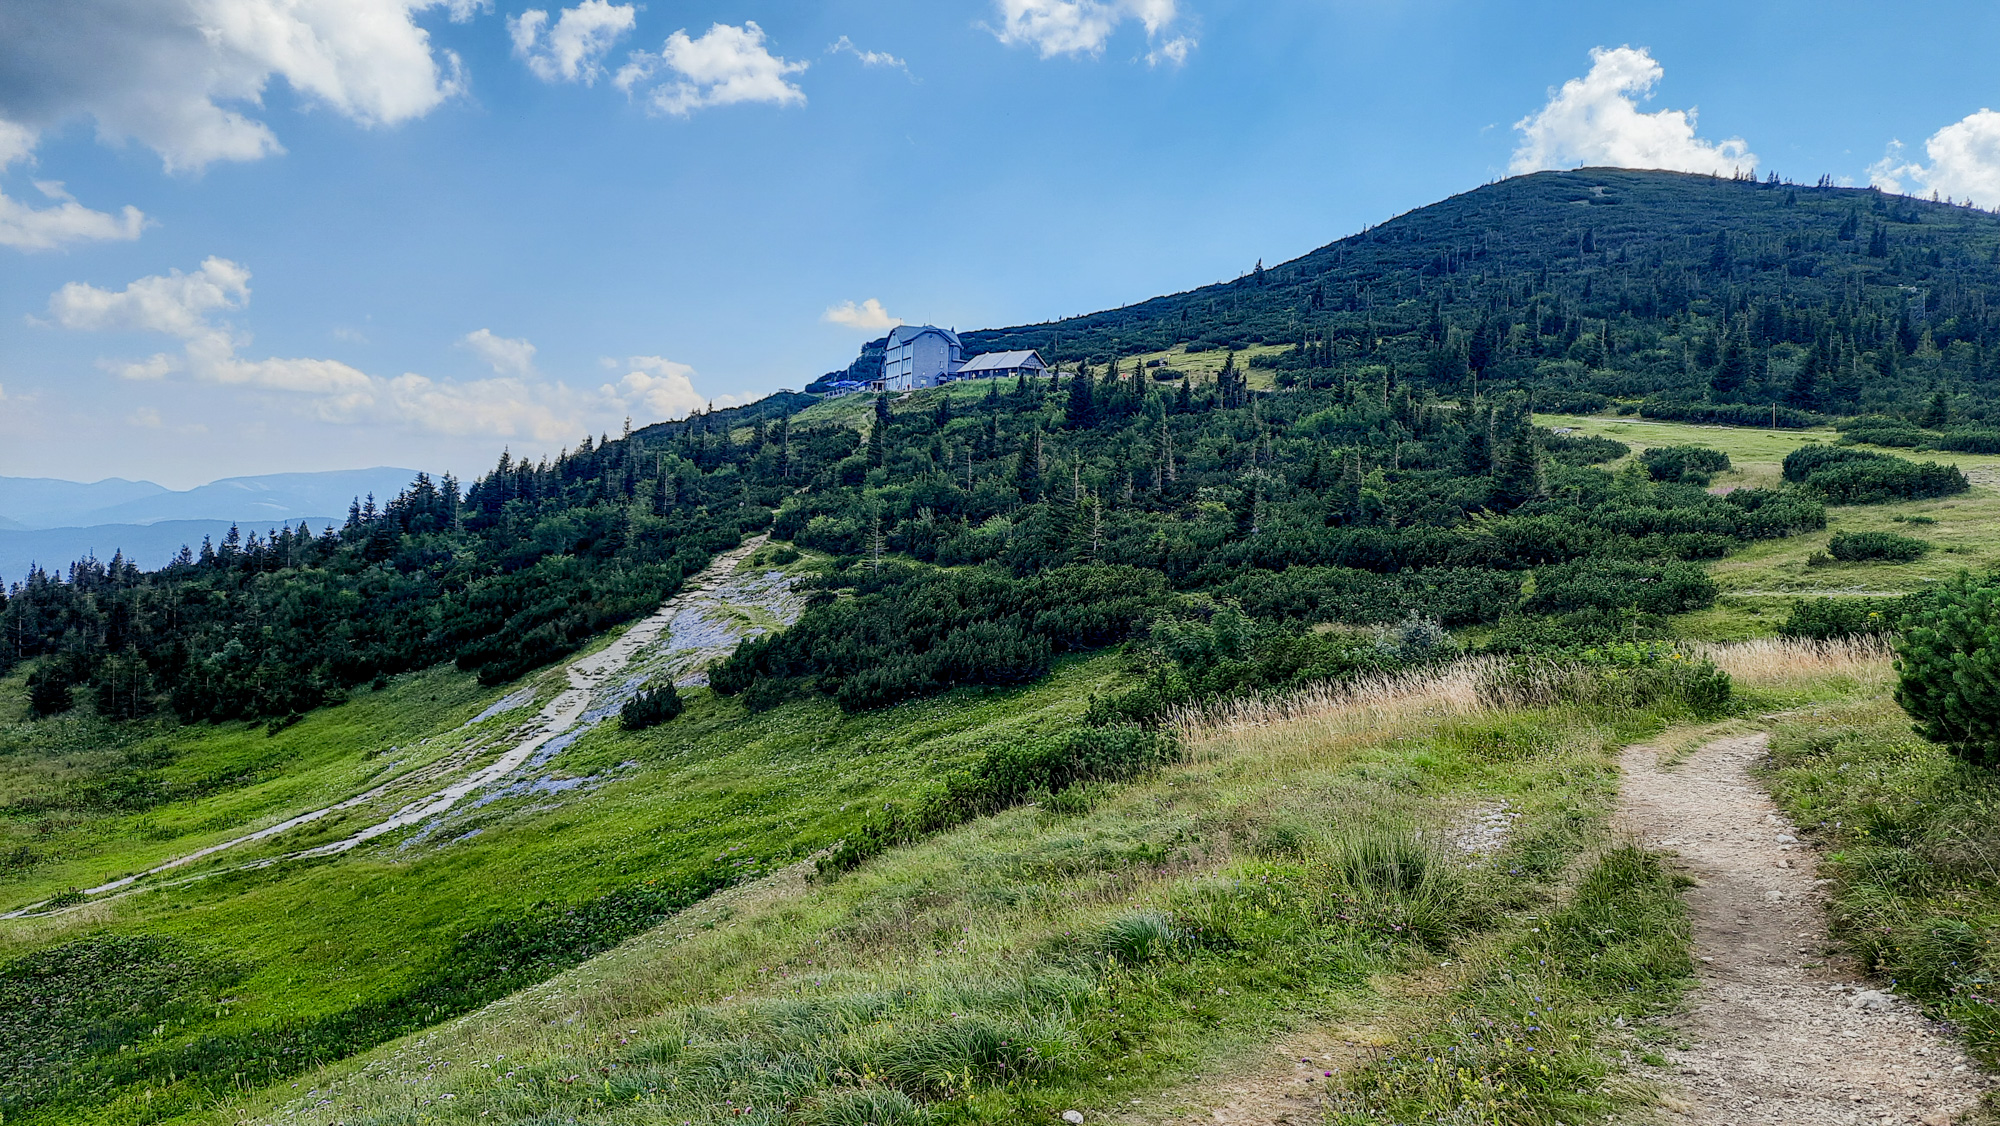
(689, 629)
(1779, 1036)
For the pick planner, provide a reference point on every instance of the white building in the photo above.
(920, 356)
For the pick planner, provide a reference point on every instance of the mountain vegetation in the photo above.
(1017, 593)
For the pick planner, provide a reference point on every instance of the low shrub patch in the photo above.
(1844, 475)
(1694, 465)
(1886, 547)
(651, 707)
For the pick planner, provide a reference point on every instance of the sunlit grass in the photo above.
(1034, 961)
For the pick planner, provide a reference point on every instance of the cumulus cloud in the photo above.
(506, 356)
(726, 66)
(1082, 27)
(569, 49)
(1595, 120)
(46, 228)
(868, 315)
(517, 403)
(29, 228)
(846, 46)
(184, 78)
(176, 304)
(657, 385)
(1964, 162)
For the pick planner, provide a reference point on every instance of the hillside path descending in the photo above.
(1775, 1041)
(690, 629)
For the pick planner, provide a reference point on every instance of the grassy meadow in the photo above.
(641, 934)
(311, 960)
(1321, 866)
(1758, 583)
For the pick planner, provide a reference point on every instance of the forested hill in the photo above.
(1698, 292)
(1386, 466)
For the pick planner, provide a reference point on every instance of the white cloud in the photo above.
(506, 356)
(1174, 51)
(868, 315)
(176, 304)
(181, 78)
(17, 142)
(570, 49)
(656, 385)
(1965, 162)
(157, 366)
(28, 228)
(844, 45)
(518, 403)
(1082, 27)
(1595, 120)
(726, 66)
(145, 417)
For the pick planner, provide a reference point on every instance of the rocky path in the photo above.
(1779, 1037)
(703, 621)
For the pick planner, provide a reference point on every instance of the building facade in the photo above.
(993, 365)
(920, 356)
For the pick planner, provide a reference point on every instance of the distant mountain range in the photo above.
(53, 523)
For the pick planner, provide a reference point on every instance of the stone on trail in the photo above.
(1869, 999)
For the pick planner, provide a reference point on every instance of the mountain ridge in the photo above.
(42, 503)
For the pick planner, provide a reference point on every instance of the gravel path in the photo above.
(1779, 1036)
(695, 626)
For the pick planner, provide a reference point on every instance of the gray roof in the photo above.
(903, 334)
(1000, 361)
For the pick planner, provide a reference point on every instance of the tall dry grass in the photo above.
(1777, 661)
(1478, 685)
(1370, 704)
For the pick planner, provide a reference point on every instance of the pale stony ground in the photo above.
(714, 610)
(1776, 1033)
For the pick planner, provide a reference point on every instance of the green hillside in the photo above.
(1599, 283)
(300, 794)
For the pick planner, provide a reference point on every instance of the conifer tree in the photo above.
(1519, 477)
(1080, 412)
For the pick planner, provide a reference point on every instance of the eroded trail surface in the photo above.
(714, 610)
(1779, 1036)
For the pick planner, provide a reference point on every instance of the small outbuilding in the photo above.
(994, 365)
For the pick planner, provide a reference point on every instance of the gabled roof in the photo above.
(1000, 361)
(903, 334)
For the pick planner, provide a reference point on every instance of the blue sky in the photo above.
(386, 231)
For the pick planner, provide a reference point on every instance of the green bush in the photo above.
(1823, 619)
(1970, 440)
(1692, 464)
(651, 707)
(1887, 547)
(1948, 670)
(1880, 430)
(1617, 677)
(1583, 449)
(1844, 475)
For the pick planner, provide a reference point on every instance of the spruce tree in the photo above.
(1519, 477)
(1080, 412)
